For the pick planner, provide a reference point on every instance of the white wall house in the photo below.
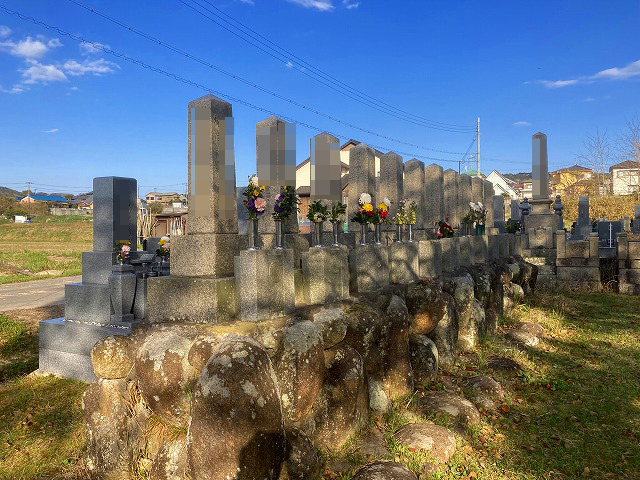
(502, 185)
(625, 177)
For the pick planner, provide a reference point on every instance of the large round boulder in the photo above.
(364, 326)
(445, 335)
(344, 406)
(303, 462)
(424, 359)
(426, 306)
(171, 461)
(164, 374)
(397, 376)
(237, 428)
(299, 367)
(437, 441)
(333, 325)
(459, 408)
(112, 357)
(384, 471)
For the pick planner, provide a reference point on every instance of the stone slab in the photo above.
(465, 253)
(204, 255)
(192, 299)
(88, 302)
(450, 254)
(430, 258)
(478, 245)
(264, 283)
(96, 266)
(325, 274)
(114, 212)
(369, 268)
(404, 265)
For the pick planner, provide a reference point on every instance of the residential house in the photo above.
(625, 177)
(572, 181)
(502, 185)
(42, 198)
(84, 201)
(166, 198)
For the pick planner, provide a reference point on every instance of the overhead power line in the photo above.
(287, 59)
(198, 85)
(250, 83)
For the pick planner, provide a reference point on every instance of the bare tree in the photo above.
(598, 154)
(629, 146)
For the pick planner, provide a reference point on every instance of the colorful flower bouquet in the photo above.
(381, 213)
(412, 213)
(442, 229)
(164, 250)
(401, 213)
(365, 211)
(286, 203)
(478, 213)
(254, 202)
(123, 250)
(318, 212)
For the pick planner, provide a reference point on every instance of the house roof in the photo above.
(164, 194)
(573, 168)
(47, 198)
(508, 181)
(84, 198)
(624, 165)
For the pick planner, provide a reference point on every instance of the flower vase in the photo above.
(253, 234)
(363, 234)
(279, 244)
(410, 233)
(378, 234)
(122, 289)
(480, 229)
(317, 234)
(336, 228)
(398, 233)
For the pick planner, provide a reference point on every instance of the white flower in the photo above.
(386, 201)
(480, 205)
(364, 198)
(253, 180)
(472, 205)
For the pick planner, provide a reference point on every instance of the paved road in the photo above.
(36, 293)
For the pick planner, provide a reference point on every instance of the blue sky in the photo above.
(69, 113)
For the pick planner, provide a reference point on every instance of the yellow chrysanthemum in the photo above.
(367, 207)
(163, 242)
(383, 206)
(261, 188)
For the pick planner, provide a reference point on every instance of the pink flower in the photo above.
(125, 250)
(260, 204)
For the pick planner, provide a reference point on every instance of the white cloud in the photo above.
(29, 48)
(350, 5)
(92, 48)
(289, 64)
(75, 89)
(51, 130)
(4, 31)
(39, 73)
(589, 99)
(631, 70)
(322, 5)
(94, 67)
(54, 42)
(522, 124)
(16, 89)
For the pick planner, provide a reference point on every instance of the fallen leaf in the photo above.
(586, 471)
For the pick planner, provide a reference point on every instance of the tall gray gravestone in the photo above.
(487, 201)
(391, 183)
(498, 212)
(636, 220)
(583, 225)
(465, 186)
(414, 188)
(201, 286)
(66, 343)
(476, 189)
(515, 210)
(450, 196)
(434, 194)
(362, 179)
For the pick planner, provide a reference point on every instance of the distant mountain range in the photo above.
(8, 192)
(518, 177)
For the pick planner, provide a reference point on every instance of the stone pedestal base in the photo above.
(325, 272)
(193, 299)
(264, 283)
(545, 260)
(87, 302)
(404, 266)
(65, 347)
(478, 245)
(368, 268)
(450, 254)
(198, 254)
(465, 256)
(430, 258)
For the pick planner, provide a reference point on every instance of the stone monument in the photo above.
(583, 227)
(201, 286)
(66, 343)
(498, 212)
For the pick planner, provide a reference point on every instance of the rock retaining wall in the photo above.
(251, 400)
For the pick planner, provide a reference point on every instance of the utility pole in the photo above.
(29, 189)
(478, 148)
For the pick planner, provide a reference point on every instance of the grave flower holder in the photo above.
(479, 228)
(335, 227)
(279, 244)
(410, 232)
(317, 234)
(363, 234)
(398, 233)
(378, 234)
(122, 289)
(253, 234)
